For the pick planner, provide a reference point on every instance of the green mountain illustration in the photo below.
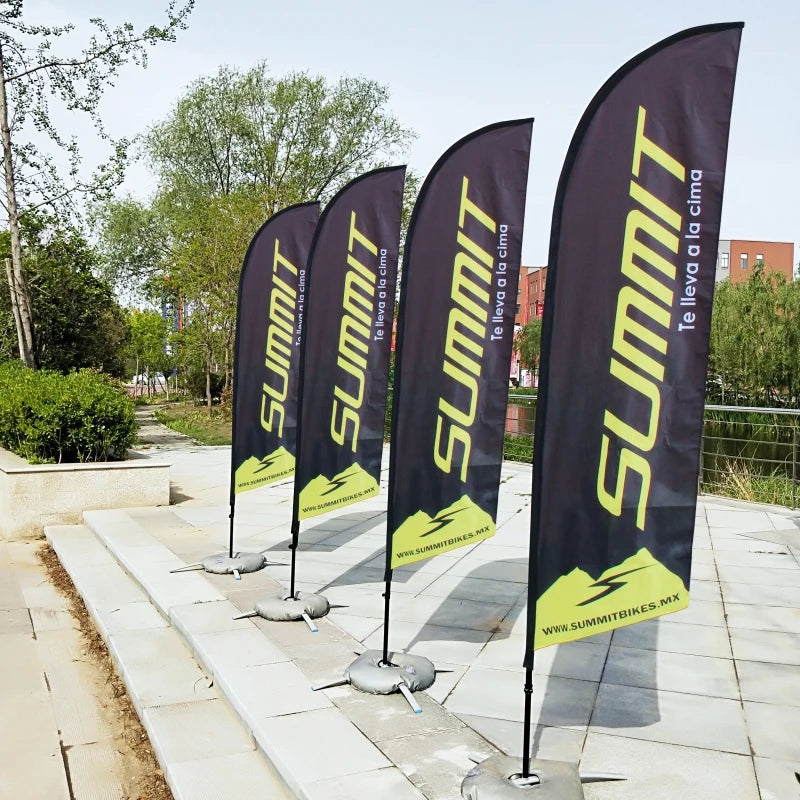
(326, 494)
(578, 605)
(422, 536)
(255, 472)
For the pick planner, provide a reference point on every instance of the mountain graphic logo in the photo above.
(442, 520)
(265, 463)
(610, 584)
(337, 483)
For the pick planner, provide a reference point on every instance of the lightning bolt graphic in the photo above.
(266, 463)
(443, 521)
(610, 584)
(337, 483)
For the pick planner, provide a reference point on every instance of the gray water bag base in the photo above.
(282, 609)
(368, 674)
(500, 778)
(223, 564)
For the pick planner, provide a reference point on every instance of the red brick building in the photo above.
(737, 257)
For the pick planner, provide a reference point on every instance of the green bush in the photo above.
(49, 417)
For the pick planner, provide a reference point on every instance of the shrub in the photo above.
(48, 417)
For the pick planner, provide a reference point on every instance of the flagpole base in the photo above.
(305, 606)
(404, 673)
(500, 778)
(223, 564)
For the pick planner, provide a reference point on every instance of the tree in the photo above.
(528, 343)
(238, 147)
(78, 321)
(285, 140)
(147, 345)
(754, 353)
(30, 73)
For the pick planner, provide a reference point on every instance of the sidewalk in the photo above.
(700, 704)
(703, 703)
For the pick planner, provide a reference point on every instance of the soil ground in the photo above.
(139, 775)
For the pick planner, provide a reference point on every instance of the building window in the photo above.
(724, 260)
(743, 260)
(759, 256)
(517, 311)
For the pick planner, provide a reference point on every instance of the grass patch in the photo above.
(195, 421)
(517, 448)
(737, 481)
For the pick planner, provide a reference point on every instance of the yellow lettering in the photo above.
(462, 284)
(278, 259)
(658, 207)
(641, 441)
(465, 418)
(453, 338)
(274, 409)
(628, 460)
(468, 207)
(629, 297)
(356, 235)
(644, 146)
(639, 221)
(455, 434)
(338, 434)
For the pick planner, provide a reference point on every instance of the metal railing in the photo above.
(747, 453)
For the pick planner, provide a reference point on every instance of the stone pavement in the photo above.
(700, 704)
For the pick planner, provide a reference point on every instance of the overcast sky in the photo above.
(453, 67)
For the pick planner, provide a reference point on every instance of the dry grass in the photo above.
(142, 777)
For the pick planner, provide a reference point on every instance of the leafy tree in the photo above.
(755, 341)
(78, 321)
(147, 345)
(528, 343)
(238, 147)
(135, 245)
(31, 73)
(286, 140)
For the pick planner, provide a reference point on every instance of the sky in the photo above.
(453, 67)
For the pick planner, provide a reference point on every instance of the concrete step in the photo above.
(337, 743)
(200, 743)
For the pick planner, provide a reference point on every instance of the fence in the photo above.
(746, 453)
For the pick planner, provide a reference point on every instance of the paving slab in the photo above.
(317, 745)
(713, 723)
(687, 773)
(228, 777)
(213, 730)
(664, 635)
(386, 782)
(676, 672)
(769, 683)
(561, 702)
(770, 646)
(178, 679)
(94, 770)
(777, 780)
(768, 725)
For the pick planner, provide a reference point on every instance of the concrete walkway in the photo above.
(703, 703)
(700, 704)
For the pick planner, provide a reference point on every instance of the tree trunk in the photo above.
(208, 381)
(17, 284)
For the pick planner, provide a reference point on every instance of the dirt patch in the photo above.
(141, 776)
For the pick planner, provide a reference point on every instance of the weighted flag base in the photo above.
(403, 673)
(223, 564)
(500, 778)
(304, 605)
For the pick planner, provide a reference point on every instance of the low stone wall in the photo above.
(35, 495)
